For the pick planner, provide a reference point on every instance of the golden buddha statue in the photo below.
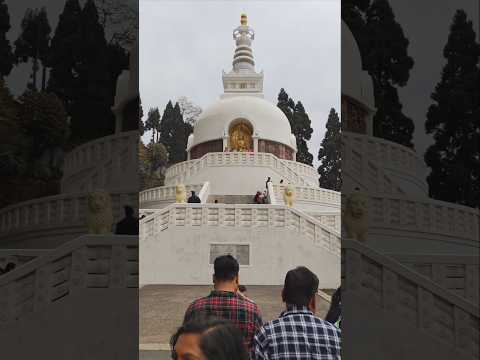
(241, 137)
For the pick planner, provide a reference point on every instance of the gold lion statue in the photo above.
(180, 194)
(99, 215)
(289, 195)
(355, 217)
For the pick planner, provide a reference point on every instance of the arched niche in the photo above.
(240, 135)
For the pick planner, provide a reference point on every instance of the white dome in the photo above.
(267, 120)
(356, 82)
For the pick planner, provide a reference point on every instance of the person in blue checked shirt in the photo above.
(297, 333)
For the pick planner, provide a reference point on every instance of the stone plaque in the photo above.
(241, 252)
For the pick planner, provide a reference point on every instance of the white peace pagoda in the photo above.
(237, 143)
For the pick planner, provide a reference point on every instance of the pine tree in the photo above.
(330, 154)
(300, 124)
(6, 55)
(383, 48)
(153, 123)
(64, 55)
(303, 131)
(454, 120)
(91, 116)
(33, 43)
(387, 61)
(174, 132)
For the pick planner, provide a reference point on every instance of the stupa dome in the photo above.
(268, 122)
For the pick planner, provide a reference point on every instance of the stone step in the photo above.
(231, 199)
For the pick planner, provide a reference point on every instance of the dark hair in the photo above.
(226, 267)
(220, 339)
(128, 210)
(300, 286)
(242, 288)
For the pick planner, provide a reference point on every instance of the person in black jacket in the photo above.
(129, 224)
(194, 198)
(335, 312)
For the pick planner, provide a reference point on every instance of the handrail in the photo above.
(305, 193)
(165, 193)
(204, 192)
(271, 196)
(57, 209)
(79, 156)
(91, 261)
(190, 167)
(386, 283)
(426, 215)
(241, 216)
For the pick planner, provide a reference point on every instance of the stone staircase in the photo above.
(231, 199)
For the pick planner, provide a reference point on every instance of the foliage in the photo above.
(6, 55)
(43, 119)
(384, 51)
(190, 111)
(330, 154)
(300, 124)
(153, 160)
(454, 120)
(84, 70)
(119, 20)
(33, 43)
(153, 123)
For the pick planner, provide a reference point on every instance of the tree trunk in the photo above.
(44, 75)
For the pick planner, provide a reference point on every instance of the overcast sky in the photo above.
(185, 45)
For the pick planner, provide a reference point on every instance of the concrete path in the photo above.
(162, 308)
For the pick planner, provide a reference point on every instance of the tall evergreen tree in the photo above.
(383, 48)
(153, 123)
(300, 124)
(91, 116)
(330, 154)
(387, 61)
(303, 131)
(174, 132)
(454, 120)
(33, 43)
(64, 54)
(6, 55)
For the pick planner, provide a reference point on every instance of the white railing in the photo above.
(64, 210)
(182, 172)
(332, 220)
(164, 193)
(271, 196)
(457, 273)
(311, 194)
(204, 192)
(366, 157)
(304, 170)
(106, 160)
(385, 283)
(241, 216)
(427, 216)
(89, 262)
(90, 153)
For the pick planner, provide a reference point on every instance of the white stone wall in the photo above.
(175, 244)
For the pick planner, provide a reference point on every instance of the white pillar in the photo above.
(255, 144)
(225, 142)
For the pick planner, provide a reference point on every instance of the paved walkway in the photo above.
(162, 308)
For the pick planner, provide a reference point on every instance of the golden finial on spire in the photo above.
(243, 19)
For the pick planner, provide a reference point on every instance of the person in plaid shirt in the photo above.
(226, 302)
(297, 333)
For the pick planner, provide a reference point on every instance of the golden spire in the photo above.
(243, 19)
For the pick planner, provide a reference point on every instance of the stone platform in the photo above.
(162, 308)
